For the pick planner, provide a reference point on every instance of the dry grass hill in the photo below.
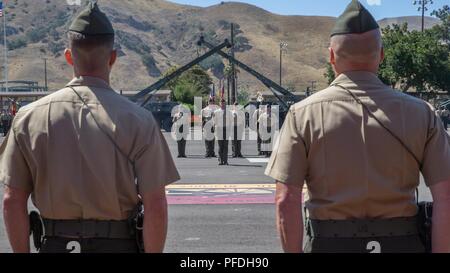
(153, 35)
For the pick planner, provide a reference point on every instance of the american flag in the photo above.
(1, 9)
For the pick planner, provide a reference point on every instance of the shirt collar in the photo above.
(89, 81)
(357, 76)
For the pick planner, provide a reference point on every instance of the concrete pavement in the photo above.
(232, 224)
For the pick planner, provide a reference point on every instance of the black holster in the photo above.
(36, 229)
(136, 221)
(424, 216)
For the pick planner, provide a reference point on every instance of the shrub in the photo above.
(35, 35)
(17, 43)
(56, 47)
(150, 64)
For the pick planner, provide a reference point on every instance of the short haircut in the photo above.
(89, 42)
(358, 48)
(90, 52)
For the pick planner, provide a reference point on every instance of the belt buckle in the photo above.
(363, 228)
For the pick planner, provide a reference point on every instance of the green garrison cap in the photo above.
(355, 19)
(92, 21)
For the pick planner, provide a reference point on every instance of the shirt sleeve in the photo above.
(436, 159)
(154, 165)
(14, 170)
(288, 163)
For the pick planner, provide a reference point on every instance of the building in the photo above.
(22, 86)
(20, 92)
(158, 96)
(25, 92)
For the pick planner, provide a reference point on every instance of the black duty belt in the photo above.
(88, 229)
(362, 228)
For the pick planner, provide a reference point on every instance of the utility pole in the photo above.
(6, 45)
(283, 47)
(45, 74)
(313, 87)
(423, 7)
(233, 69)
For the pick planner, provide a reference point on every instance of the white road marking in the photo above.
(192, 239)
(258, 160)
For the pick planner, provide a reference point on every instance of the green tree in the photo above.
(329, 74)
(185, 92)
(243, 96)
(198, 77)
(414, 59)
(193, 83)
(171, 84)
(228, 71)
(442, 30)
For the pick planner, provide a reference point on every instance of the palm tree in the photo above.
(228, 73)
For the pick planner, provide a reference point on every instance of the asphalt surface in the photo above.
(222, 229)
(214, 228)
(196, 169)
(237, 227)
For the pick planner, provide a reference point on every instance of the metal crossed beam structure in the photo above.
(148, 92)
(273, 86)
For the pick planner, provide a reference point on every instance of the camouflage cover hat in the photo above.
(355, 19)
(92, 21)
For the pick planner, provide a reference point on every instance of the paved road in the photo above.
(198, 170)
(236, 225)
(219, 208)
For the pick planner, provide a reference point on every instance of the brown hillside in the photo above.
(153, 35)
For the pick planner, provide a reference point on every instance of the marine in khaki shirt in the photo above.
(223, 130)
(208, 127)
(87, 156)
(56, 151)
(354, 168)
(268, 129)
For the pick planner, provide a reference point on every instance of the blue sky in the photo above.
(379, 8)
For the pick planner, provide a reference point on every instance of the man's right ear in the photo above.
(68, 56)
(332, 56)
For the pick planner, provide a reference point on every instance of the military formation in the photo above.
(228, 123)
(207, 114)
(351, 144)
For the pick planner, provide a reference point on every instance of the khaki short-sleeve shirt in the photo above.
(352, 166)
(56, 151)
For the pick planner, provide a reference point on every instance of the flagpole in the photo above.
(5, 45)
